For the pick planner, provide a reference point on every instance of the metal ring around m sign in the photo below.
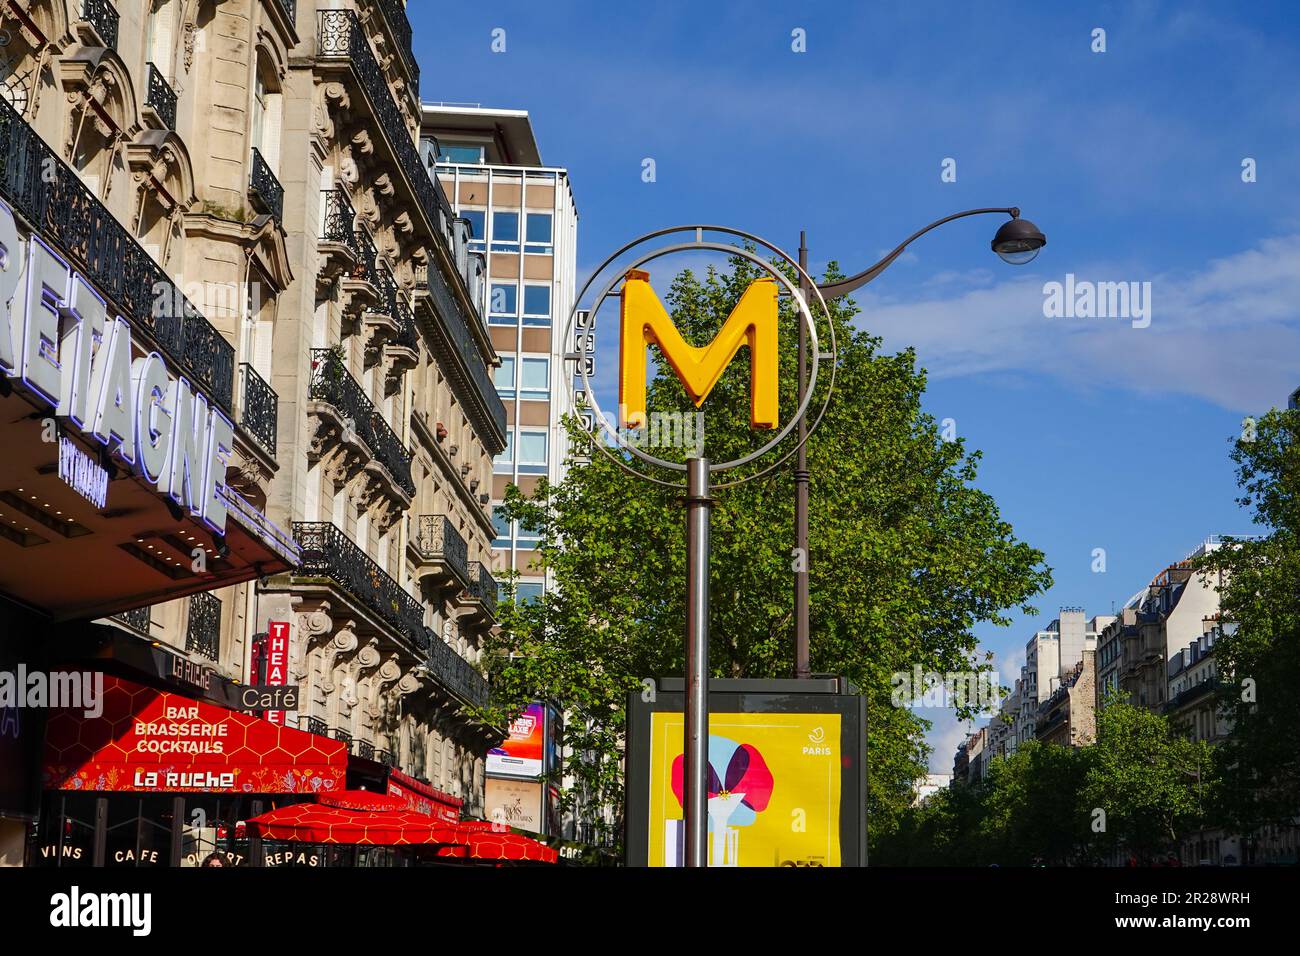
(806, 315)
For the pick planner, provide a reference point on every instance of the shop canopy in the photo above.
(148, 740)
(367, 819)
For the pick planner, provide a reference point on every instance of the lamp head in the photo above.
(1018, 240)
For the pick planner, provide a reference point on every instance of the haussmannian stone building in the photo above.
(261, 160)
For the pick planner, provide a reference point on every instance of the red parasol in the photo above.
(342, 818)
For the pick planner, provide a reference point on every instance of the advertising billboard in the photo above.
(516, 803)
(521, 753)
(786, 774)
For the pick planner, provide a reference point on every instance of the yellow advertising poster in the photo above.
(774, 789)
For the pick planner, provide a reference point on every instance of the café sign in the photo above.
(69, 349)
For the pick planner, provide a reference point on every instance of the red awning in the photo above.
(317, 823)
(422, 798)
(488, 845)
(322, 823)
(148, 740)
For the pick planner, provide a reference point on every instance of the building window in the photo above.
(462, 153)
(538, 232)
(502, 526)
(504, 378)
(535, 378)
(478, 227)
(532, 451)
(526, 592)
(537, 305)
(505, 232)
(503, 303)
(504, 462)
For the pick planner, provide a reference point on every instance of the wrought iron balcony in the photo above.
(290, 8)
(160, 96)
(54, 200)
(318, 727)
(137, 619)
(365, 750)
(483, 588)
(386, 758)
(203, 633)
(327, 552)
(266, 192)
(438, 541)
(332, 383)
(341, 37)
(344, 737)
(259, 408)
(103, 16)
(340, 219)
(395, 16)
(457, 674)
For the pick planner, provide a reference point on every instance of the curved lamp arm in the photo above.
(845, 286)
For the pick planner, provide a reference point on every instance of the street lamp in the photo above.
(1017, 242)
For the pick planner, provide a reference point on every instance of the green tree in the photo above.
(1033, 808)
(1151, 782)
(906, 556)
(1258, 654)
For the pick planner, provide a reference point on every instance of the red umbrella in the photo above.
(485, 845)
(318, 823)
(360, 817)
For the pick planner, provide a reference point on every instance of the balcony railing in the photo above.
(264, 188)
(483, 587)
(55, 202)
(340, 219)
(395, 16)
(259, 408)
(161, 96)
(137, 619)
(438, 540)
(203, 633)
(455, 322)
(365, 750)
(341, 37)
(331, 382)
(103, 16)
(290, 8)
(457, 674)
(327, 552)
(318, 727)
(344, 737)
(386, 758)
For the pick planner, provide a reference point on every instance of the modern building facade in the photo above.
(241, 182)
(524, 227)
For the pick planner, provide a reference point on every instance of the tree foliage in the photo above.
(1258, 653)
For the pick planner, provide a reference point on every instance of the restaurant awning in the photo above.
(148, 740)
(344, 819)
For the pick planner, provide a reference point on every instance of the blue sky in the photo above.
(1094, 433)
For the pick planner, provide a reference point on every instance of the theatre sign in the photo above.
(113, 488)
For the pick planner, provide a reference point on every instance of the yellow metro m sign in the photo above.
(645, 322)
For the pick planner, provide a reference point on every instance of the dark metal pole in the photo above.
(695, 805)
(801, 480)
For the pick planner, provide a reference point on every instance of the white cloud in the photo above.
(1228, 332)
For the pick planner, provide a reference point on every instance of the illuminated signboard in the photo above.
(82, 473)
(59, 339)
(520, 754)
(786, 774)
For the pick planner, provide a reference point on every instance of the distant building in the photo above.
(1069, 717)
(925, 787)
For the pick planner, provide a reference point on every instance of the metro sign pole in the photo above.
(753, 322)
